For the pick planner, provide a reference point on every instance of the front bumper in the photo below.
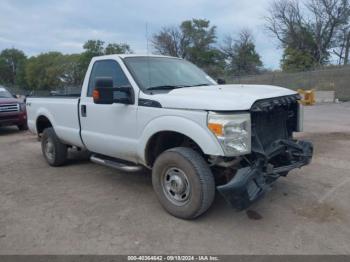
(13, 118)
(251, 182)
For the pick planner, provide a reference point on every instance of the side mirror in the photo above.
(105, 93)
(221, 81)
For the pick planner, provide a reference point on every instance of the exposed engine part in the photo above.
(274, 151)
(272, 120)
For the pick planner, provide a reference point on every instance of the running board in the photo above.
(114, 164)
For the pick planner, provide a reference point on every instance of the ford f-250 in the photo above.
(166, 114)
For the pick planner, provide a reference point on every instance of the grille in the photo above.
(9, 108)
(272, 120)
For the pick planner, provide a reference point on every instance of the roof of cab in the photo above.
(129, 55)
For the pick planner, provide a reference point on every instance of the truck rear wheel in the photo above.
(183, 182)
(54, 151)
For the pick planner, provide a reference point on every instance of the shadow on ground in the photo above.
(9, 130)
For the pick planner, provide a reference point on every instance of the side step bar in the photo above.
(114, 164)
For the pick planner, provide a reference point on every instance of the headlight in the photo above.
(233, 132)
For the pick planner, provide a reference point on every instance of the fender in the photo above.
(203, 137)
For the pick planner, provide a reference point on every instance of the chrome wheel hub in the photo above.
(49, 149)
(176, 186)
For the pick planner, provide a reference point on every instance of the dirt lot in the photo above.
(84, 208)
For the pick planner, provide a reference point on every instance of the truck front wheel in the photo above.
(54, 151)
(183, 182)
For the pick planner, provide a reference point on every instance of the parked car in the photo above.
(165, 114)
(12, 110)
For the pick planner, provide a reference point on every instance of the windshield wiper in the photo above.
(164, 87)
(170, 87)
(197, 85)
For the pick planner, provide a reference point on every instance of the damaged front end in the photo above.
(274, 151)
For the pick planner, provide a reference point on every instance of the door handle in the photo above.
(83, 110)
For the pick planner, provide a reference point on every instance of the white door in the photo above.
(108, 129)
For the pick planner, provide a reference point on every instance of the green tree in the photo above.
(94, 48)
(240, 55)
(42, 71)
(295, 60)
(12, 66)
(193, 40)
(5, 72)
(70, 71)
(53, 70)
(117, 49)
(199, 37)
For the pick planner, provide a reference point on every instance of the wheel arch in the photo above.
(42, 122)
(163, 140)
(164, 128)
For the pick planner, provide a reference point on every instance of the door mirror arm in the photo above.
(221, 81)
(129, 91)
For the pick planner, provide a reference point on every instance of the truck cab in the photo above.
(167, 115)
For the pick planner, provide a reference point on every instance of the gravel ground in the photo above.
(83, 208)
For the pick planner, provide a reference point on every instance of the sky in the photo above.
(37, 26)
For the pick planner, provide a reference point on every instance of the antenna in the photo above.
(148, 64)
(147, 40)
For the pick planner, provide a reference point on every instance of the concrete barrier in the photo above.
(325, 96)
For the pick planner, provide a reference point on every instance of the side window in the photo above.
(107, 68)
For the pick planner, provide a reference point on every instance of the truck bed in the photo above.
(63, 113)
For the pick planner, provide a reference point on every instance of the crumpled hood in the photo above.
(217, 97)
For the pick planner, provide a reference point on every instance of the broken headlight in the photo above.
(233, 131)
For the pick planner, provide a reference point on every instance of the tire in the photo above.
(183, 182)
(53, 150)
(23, 127)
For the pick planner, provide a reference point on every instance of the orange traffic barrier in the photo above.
(308, 97)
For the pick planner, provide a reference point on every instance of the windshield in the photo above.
(4, 93)
(152, 73)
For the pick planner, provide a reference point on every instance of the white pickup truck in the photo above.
(167, 115)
